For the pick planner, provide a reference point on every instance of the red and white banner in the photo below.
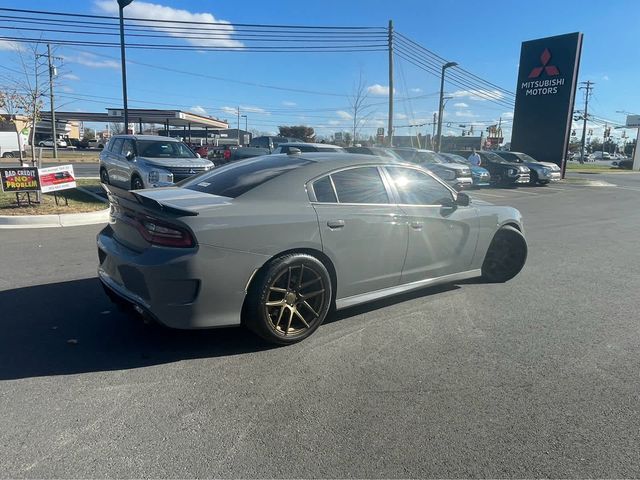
(53, 179)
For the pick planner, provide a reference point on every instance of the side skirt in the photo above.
(407, 287)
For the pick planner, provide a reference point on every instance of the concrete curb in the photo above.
(57, 220)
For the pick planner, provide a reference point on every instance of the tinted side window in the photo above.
(128, 146)
(116, 146)
(324, 190)
(360, 185)
(417, 188)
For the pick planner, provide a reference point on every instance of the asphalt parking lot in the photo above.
(538, 377)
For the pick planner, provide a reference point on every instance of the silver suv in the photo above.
(144, 161)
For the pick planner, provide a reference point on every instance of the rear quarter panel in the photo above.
(490, 219)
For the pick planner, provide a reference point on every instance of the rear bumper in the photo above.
(194, 288)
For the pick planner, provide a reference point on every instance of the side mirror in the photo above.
(129, 155)
(198, 155)
(463, 199)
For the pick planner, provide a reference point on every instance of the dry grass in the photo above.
(79, 202)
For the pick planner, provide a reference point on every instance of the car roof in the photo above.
(147, 137)
(317, 145)
(413, 149)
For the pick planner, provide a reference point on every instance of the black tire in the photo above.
(136, 183)
(289, 299)
(8, 155)
(104, 176)
(506, 255)
(41, 144)
(533, 178)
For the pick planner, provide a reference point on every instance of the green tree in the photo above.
(298, 131)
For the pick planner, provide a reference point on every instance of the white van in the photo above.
(9, 146)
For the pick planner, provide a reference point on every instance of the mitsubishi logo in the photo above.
(192, 171)
(550, 70)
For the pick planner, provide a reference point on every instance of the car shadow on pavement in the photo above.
(72, 327)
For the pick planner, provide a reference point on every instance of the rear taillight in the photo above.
(165, 235)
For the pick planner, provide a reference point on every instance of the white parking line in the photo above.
(526, 193)
(554, 188)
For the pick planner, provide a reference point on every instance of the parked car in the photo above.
(271, 142)
(48, 142)
(98, 143)
(456, 175)
(541, 172)
(503, 173)
(307, 147)
(599, 156)
(378, 151)
(480, 176)
(274, 242)
(143, 161)
(626, 163)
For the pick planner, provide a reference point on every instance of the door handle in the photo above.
(416, 225)
(335, 223)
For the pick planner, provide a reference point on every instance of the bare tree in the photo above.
(29, 86)
(11, 104)
(360, 111)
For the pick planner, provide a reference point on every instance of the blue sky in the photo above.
(483, 37)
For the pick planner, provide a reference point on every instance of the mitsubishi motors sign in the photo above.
(545, 96)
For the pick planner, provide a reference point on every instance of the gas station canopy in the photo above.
(168, 118)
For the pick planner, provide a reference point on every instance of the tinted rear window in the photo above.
(237, 178)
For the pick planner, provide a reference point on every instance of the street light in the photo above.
(121, 5)
(245, 122)
(441, 106)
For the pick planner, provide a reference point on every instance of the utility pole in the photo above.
(433, 131)
(441, 105)
(238, 129)
(52, 73)
(587, 87)
(121, 5)
(390, 125)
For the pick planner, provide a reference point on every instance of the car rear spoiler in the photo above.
(116, 195)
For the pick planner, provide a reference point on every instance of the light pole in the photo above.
(121, 5)
(245, 123)
(441, 106)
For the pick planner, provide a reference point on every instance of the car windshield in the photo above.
(163, 149)
(427, 157)
(527, 158)
(494, 157)
(450, 158)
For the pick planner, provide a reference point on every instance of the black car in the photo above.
(503, 173)
(271, 143)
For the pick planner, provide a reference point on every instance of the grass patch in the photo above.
(576, 167)
(79, 202)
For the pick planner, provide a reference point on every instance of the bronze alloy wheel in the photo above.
(506, 255)
(292, 298)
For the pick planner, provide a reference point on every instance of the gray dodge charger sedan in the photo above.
(276, 242)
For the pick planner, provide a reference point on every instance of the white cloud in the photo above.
(198, 110)
(252, 109)
(378, 89)
(507, 115)
(66, 89)
(415, 90)
(90, 60)
(605, 77)
(70, 76)
(154, 11)
(287, 103)
(344, 115)
(465, 114)
(478, 94)
(400, 116)
(461, 105)
(231, 110)
(10, 45)
(333, 122)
